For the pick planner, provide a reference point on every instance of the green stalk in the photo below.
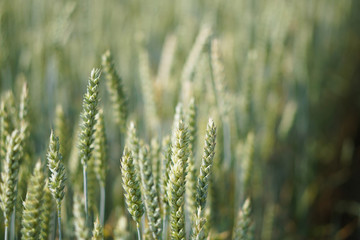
(102, 204)
(59, 221)
(138, 231)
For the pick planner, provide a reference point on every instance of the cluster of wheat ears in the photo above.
(167, 188)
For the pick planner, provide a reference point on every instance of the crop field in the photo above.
(181, 120)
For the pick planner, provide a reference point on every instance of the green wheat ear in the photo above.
(116, 91)
(98, 233)
(176, 186)
(32, 205)
(100, 149)
(131, 186)
(150, 193)
(46, 209)
(9, 175)
(206, 165)
(243, 230)
(58, 176)
(165, 170)
(87, 126)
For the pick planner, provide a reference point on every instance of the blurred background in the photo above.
(285, 96)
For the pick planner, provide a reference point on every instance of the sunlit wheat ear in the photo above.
(87, 126)
(176, 186)
(116, 91)
(57, 176)
(150, 194)
(243, 229)
(131, 185)
(9, 175)
(46, 209)
(81, 230)
(206, 165)
(31, 222)
(98, 233)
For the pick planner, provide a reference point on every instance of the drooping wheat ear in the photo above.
(81, 231)
(243, 223)
(32, 205)
(100, 158)
(46, 209)
(116, 91)
(131, 185)
(61, 130)
(24, 112)
(156, 161)
(58, 176)
(176, 186)
(98, 233)
(206, 164)
(87, 126)
(150, 194)
(133, 145)
(9, 175)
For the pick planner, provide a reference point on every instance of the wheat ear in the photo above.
(87, 126)
(58, 176)
(116, 91)
(150, 194)
(176, 186)
(9, 176)
(32, 205)
(131, 185)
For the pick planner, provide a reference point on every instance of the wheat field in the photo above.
(179, 120)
